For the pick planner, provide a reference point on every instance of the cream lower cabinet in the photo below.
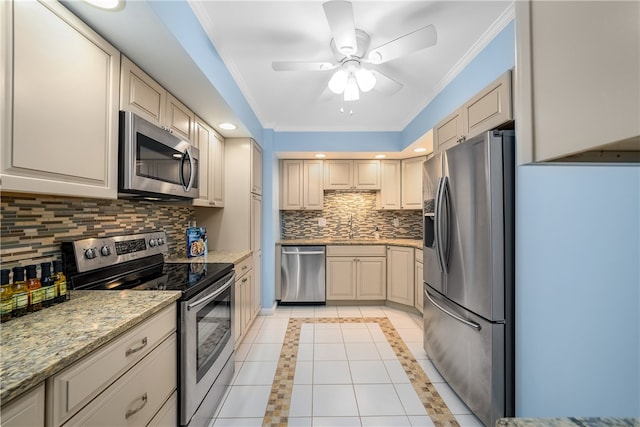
(244, 296)
(59, 95)
(400, 275)
(127, 382)
(356, 273)
(419, 281)
(26, 409)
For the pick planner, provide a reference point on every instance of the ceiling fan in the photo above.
(351, 49)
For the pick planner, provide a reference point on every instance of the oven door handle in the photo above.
(212, 295)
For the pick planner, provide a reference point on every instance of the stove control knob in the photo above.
(152, 242)
(90, 253)
(105, 251)
(160, 241)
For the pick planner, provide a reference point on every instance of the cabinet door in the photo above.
(256, 223)
(419, 299)
(25, 410)
(179, 119)
(489, 108)
(141, 94)
(389, 197)
(256, 168)
(291, 185)
(237, 313)
(448, 131)
(341, 278)
(256, 300)
(59, 120)
(400, 275)
(216, 170)
(202, 136)
(313, 192)
(577, 80)
(366, 174)
(371, 278)
(338, 175)
(247, 298)
(412, 183)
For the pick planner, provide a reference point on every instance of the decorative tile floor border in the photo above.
(277, 412)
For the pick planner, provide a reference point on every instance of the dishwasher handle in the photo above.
(303, 253)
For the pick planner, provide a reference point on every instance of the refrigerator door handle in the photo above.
(472, 325)
(442, 214)
(445, 221)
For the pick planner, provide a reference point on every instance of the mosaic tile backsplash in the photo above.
(361, 206)
(32, 227)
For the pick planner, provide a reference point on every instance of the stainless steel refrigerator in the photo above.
(469, 261)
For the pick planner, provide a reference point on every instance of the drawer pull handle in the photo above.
(131, 412)
(244, 267)
(142, 345)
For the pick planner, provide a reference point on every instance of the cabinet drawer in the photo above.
(75, 386)
(357, 250)
(167, 416)
(243, 267)
(25, 410)
(135, 398)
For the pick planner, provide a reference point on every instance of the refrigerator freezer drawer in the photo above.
(469, 356)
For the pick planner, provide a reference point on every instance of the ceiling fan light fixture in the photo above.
(366, 80)
(351, 92)
(338, 82)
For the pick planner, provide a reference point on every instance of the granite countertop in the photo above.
(233, 257)
(40, 344)
(568, 422)
(417, 244)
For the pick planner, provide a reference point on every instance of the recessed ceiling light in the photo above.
(420, 150)
(380, 156)
(105, 4)
(320, 156)
(227, 126)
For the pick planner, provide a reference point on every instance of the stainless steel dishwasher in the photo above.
(303, 274)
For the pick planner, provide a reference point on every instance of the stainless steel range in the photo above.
(205, 329)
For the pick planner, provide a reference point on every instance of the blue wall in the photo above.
(578, 291)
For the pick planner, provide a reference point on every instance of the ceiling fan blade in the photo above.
(419, 39)
(340, 18)
(301, 66)
(385, 84)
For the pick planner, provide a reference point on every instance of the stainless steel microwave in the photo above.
(153, 163)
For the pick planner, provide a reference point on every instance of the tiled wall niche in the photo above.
(361, 205)
(32, 226)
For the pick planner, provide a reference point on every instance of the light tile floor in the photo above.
(338, 366)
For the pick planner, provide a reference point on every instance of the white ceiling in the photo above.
(249, 35)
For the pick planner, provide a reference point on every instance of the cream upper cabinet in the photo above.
(142, 95)
(27, 409)
(356, 272)
(577, 81)
(256, 168)
(352, 175)
(488, 109)
(400, 275)
(301, 185)
(211, 165)
(59, 121)
(390, 187)
(412, 183)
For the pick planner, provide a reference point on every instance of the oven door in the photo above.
(206, 342)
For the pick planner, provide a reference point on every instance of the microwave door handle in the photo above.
(192, 172)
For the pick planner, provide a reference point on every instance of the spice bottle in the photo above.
(20, 292)
(47, 285)
(35, 288)
(6, 296)
(60, 281)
